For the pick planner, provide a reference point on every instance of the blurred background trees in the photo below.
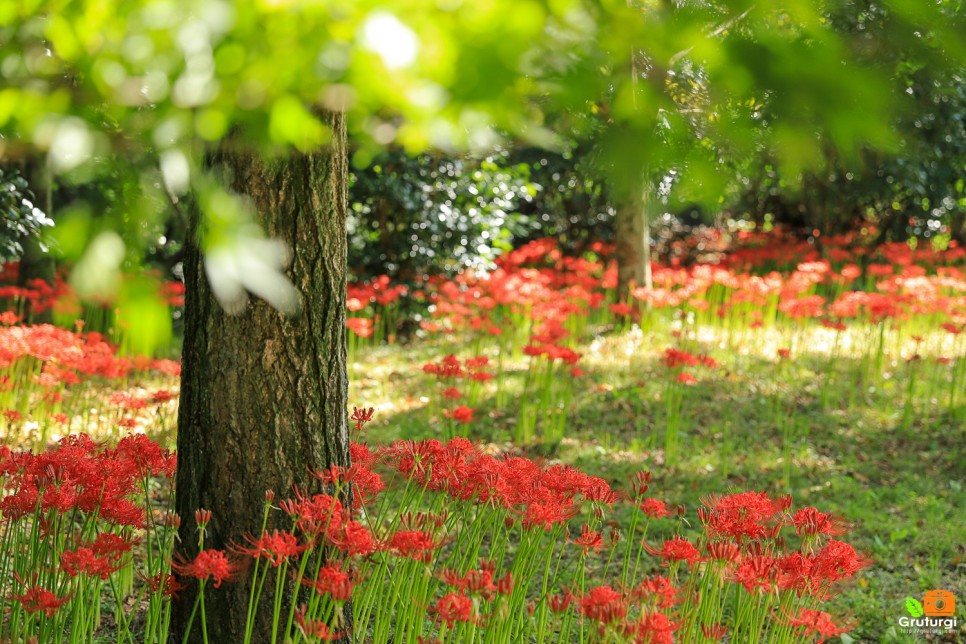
(820, 116)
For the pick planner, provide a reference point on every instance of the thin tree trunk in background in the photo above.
(957, 227)
(263, 395)
(633, 228)
(647, 205)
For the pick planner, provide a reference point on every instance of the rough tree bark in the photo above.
(263, 395)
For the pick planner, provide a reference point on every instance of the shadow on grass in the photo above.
(836, 435)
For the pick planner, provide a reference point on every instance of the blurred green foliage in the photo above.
(136, 93)
(436, 214)
(914, 189)
(20, 218)
(414, 216)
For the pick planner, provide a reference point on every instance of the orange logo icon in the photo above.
(939, 603)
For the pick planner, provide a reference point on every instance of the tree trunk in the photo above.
(633, 250)
(263, 395)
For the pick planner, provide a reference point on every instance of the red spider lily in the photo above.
(952, 329)
(621, 309)
(75, 475)
(559, 603)
(676, 549)
(596, 490)
(795, 572)
(83, 560)
(355, 539)
(641, 483)
(413, 459)
(169, 367)
(452, 608)
(431, 521)
(334, 475)
(658, 587)
(726, 551)
(603, 604)
(202, 518)
(121, 511)
(428, 521)
(173, 293)
(589, 539)
(453, 578)
(149, 457)
(361, 455)
(743, 515)
(70, 352)
(448, 368)
(655, 628)
(275, 547)
(162, 396)
(100, 558)
(361, 416)
(810, 522)
(461, 414)
(478, 582)
(128, 402)
(548, 514)
(109, 544)
(674, 358)
(163, 583)
(333, 581)
(810, 306)
(504, 585)
(415, 544)
(452, 393)
(851, 272)
(477, 363)
(362, 327)
(655, 508)
(755, 571)
(314, 629)
(818, 623)
(686, 378)
(316, 515)
(37, 599)
(714, 632)
(837, 560)
(208, 564)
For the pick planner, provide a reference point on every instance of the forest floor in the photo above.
(810, 425)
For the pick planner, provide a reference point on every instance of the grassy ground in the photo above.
(813, 426)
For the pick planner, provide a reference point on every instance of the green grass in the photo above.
(898, 475)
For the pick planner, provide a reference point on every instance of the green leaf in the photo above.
(143, 317)
(914, 607)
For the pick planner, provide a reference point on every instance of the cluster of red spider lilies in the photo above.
(444, 542)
